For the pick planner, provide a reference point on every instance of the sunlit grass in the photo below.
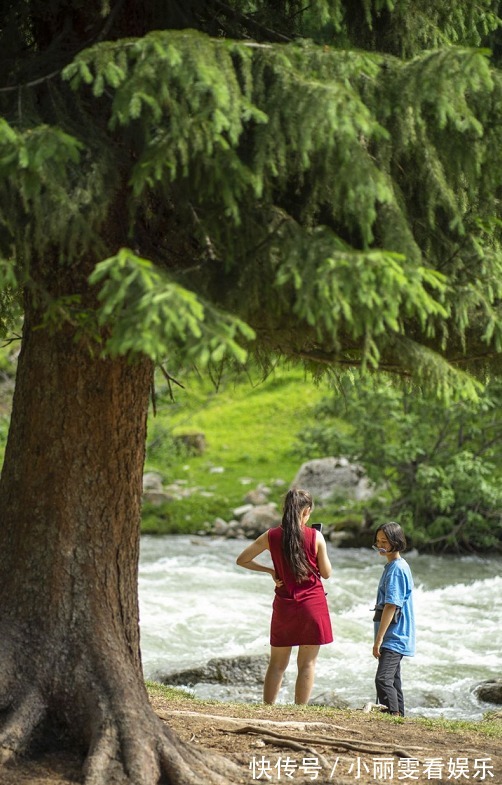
(250, 431)
(172, 694)
(488, 726)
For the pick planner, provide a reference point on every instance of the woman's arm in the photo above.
(387, 616)
(323, 561)
(247, 557)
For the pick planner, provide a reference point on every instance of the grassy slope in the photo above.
(250, 429)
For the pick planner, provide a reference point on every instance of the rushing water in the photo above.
(196, 604)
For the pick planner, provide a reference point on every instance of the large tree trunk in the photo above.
(70, 496)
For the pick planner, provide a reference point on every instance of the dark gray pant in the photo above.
(388, 681)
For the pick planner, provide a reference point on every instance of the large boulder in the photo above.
(490, 691)
(258, 519)
(258, 495)
(328, 477)
(245, 669)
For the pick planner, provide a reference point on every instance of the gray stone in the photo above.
(246, 669)
(152, 481)
(240, 511)
(328, 477)
(220, 526)
(329, 698)
(257, 496)
(194, 443)
(259, 519)
(157, 498)
(490, 691)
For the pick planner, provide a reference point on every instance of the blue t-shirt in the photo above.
(395, 588)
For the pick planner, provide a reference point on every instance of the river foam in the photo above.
(195, 604)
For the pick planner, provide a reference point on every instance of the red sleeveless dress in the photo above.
(300, 615)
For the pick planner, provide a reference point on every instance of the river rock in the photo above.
(157, 498)
(220, 526)
(327, 477)
(242, 510)
(490, 691)
(258, 495)
(259, 519)
(329, 698)
(245, 669)
(152, 481)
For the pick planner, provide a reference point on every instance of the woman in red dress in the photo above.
(300, 614)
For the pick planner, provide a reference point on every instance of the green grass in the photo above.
(488, 726)
(172, 694)
(250, 431)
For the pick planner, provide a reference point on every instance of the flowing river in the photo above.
(196, 604)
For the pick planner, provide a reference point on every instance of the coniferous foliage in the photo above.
(205, 178)
(352, 195)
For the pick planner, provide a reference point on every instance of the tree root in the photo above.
(148, 753)
(362, 745)
(129, 746)
(19, 725)
(302, 725)
(294, 745)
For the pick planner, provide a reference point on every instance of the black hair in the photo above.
(394, 534)
(292, 535)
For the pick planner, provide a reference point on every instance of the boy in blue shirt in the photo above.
(394, 618)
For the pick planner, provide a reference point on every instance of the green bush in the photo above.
(435, 464)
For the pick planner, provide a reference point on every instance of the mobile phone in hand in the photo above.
(317, 526)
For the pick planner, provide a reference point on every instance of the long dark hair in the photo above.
(292, 535)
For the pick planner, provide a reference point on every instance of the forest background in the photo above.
(436, 463)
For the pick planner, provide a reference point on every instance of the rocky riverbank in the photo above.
(249, 671)
(326, 478)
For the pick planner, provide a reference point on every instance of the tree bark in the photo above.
(70, 495)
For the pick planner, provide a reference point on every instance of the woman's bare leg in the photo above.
(279, 659)
(307, 657)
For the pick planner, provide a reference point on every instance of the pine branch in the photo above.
(167, 376)
(46, 78)
(331, 358)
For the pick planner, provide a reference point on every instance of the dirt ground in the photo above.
(298, 745)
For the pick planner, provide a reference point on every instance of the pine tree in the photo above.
(206, 180)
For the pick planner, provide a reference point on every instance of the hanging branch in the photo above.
(153, 397)
(170, 379)
(8, 341)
